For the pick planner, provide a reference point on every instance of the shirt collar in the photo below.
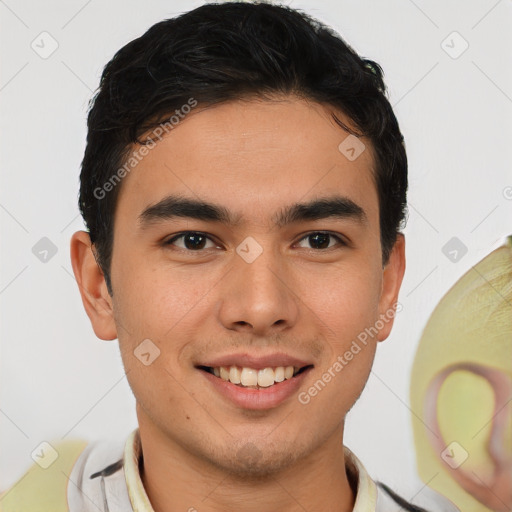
(132, 456)
(366, 490)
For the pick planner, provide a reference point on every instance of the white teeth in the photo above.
(235, 375)
(279, 374)
(250, 377)
(265, 377)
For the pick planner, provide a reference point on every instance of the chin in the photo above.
(256, 462)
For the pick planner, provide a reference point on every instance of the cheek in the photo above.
(351, 350)
(346, 299)
(157, 314)
(154, 333)
(153, 302)
(339, 382)
(159, 390)
(346, 308)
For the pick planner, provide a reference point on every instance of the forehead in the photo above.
(253, 157)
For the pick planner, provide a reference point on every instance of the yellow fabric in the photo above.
(44, 490)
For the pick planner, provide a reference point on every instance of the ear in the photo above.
(93, 288)
(391, 282)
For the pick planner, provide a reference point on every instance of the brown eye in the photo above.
(322, 240)
(192, 241)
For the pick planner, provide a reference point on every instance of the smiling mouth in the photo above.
(255, 379)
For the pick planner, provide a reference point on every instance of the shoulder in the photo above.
(379, 497)
(44, 486)
(430, 501)
(71, 476)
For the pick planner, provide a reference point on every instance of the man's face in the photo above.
(263, 286)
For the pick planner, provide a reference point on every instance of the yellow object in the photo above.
(461, 389)
(44, 490)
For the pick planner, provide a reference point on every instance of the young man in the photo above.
(243, 186)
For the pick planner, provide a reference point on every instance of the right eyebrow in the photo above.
(175, 206)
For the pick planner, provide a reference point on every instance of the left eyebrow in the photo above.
(338, 207)
(176, 206)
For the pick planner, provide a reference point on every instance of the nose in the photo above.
(258, 297)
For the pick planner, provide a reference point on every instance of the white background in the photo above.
(58, 380)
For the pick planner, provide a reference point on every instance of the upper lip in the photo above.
(253, 361)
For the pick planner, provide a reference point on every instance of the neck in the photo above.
(177, 480)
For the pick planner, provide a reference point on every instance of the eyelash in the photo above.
(170, 241)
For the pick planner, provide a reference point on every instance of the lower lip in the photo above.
(257, 399)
